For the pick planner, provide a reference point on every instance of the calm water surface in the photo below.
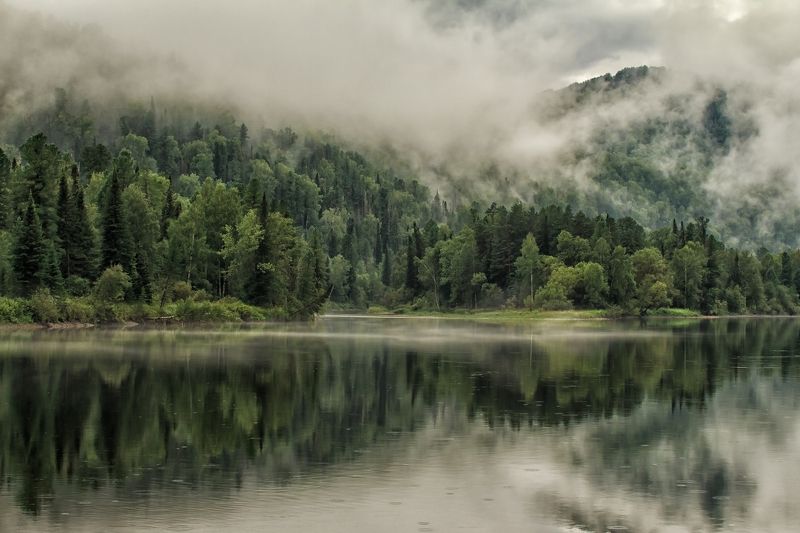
(354, 424)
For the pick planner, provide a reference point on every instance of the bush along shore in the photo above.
(106, 305)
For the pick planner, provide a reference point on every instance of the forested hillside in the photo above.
(205, 221)
(655, 145)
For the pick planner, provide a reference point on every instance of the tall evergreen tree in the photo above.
(169, 212)
(787, 269)
(5, 192)
(259, 286)
(30, 252)
(412, 276)
(84, 248)
(113, 225)
(65, 224)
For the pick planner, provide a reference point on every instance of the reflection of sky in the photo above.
(733, 463)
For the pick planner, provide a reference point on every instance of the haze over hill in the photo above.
(466, 93)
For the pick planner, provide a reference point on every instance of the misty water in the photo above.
(367, 424)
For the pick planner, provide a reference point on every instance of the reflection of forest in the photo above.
(133, 408)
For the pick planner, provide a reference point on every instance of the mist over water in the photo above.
(433, 425)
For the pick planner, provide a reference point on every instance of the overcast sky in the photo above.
(564, 40)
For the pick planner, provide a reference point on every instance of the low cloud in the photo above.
(453, 83)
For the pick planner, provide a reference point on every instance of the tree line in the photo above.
(169, 217)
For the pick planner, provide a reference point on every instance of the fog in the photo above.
(455, 83)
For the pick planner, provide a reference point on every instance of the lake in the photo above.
(406, 424)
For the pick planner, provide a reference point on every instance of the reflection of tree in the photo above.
(140, 409)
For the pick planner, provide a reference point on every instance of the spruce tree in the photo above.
(169, 211)
(787, 269)
(84, 249)
(65, 224)
(113, 227)
(386, 269)
(30, 251)
(412, 276)
(5, 193)
(259, 286)
(140, 279)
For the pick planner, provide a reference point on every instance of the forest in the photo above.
(200, 220)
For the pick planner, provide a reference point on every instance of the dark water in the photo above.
(404, 425)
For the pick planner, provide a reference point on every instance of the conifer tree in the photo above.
(259, 286)
(84, 248)
(169, 212)
(386, 269)
(5, 193)
(113, 227)
(30, 251)
(65, 224)
(412, 276)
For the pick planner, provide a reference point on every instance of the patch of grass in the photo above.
(521, 315)
(226, 310)
(674, 312)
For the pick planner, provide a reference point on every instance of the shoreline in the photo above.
(476, 316)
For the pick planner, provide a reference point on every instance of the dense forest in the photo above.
(201, 220)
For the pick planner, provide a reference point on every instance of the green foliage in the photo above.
(44, 306)
(80, 310)
(528, 269)
(226, 310)
(184, 212)
(653, 279)
(111, 286)
(15, 311)
(30, 259)
(239, 251)
(688, 268)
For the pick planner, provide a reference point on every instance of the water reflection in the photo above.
(404, 424)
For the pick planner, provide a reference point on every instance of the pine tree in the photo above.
(169, 212)
(140, 279)
(113, 227)
(412, 276)
(787, 269)
(386, 269)
(5, 193)
(30, 251)
(84, 249)
(259, 286)
(65, 224)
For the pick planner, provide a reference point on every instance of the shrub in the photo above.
(78, 286)
(719, 308)
(491, 295)
(14, 311)
(78, 310)
(44, 306)
(110, 288)
(552, 297)
(204, 312)
(227, 310)
(200, 295)
(141, 310)
(615, 311)
(181, 290)
(244, 311)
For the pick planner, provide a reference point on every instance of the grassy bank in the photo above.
(512, 315)
(44, 308)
